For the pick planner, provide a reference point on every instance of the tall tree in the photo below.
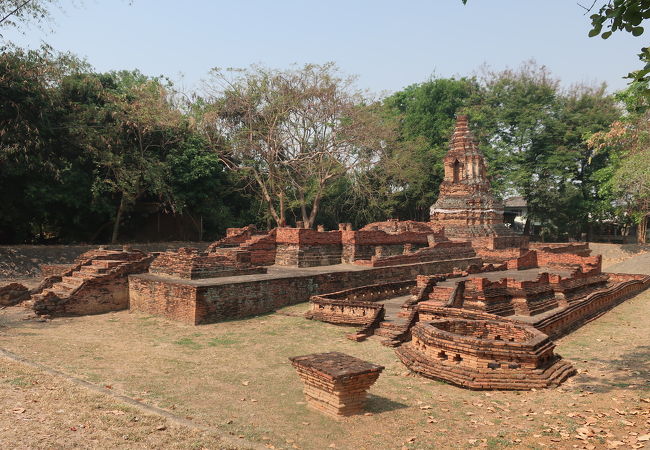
(293, 133)
(627, 178)
(126, 121)
(533, 133)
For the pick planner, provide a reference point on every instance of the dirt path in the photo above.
(636, 264)
(616, 253)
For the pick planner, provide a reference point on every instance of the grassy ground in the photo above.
(235, 376)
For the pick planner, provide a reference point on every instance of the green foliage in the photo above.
(625, 181)
(624, 15)
(533, 136)
(620, 15)
(77, 146)
(13, 13)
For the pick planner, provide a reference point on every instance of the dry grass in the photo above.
(40, 411)
(235, 376)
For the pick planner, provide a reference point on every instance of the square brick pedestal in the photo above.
(336, 383)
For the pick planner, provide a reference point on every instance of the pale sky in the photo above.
(388, 44)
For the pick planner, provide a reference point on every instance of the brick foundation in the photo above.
(335, 383)
(484, 354)
(98, 283)
(245, 296)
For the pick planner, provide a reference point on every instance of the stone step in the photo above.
(93, 270)
(106, 263)
(62, 287)
(75, 280)
(393, 325)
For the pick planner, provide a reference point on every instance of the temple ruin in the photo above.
(460, 297)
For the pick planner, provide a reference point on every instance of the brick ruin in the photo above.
(466, 207)
(423, 287)
(96, 283)
(358, 306)
(212, 300)
(378, 244)
(191, 264)
(335, 383)
(484, 354)
(13, 293)
(531, 299)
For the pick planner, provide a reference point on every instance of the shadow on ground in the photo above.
(376, 404)
(630, 371)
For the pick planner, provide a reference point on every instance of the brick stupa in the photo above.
(465, 206)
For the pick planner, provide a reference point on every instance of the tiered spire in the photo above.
(464, 162)
(465, 205)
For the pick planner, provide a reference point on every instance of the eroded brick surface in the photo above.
(484, 354)
(335, 383)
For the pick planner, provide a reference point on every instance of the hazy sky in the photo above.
(389, 44)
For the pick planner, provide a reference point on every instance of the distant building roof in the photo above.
(515, 202)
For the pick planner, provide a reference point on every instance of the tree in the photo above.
(125, 120)
(39, 172)
(15, 12)
(623, 15)
(532, 133)
(627, 179)
(293, 133)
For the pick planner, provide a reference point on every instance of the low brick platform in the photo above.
(336, 383)
(216, 299)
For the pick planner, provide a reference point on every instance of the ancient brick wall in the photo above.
(302, 247)
(174, 301)
(497, 256)
(12, 294)
(261, 248)
(440, 251)
(98, 285)
(527, 260)
(241, 299)
(356, 306)
(551, 259)
(190, 264)
(579, 312)
(49, 270)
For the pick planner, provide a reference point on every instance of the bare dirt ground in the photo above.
(616, 253)
(235, 376)
(41, 411)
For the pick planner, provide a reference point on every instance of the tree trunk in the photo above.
(642, 230)
(314, 211)
(303, 209)
(118, 218)
(283, 219)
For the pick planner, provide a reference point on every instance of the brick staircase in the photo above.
(96, 284)
(396, 322)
